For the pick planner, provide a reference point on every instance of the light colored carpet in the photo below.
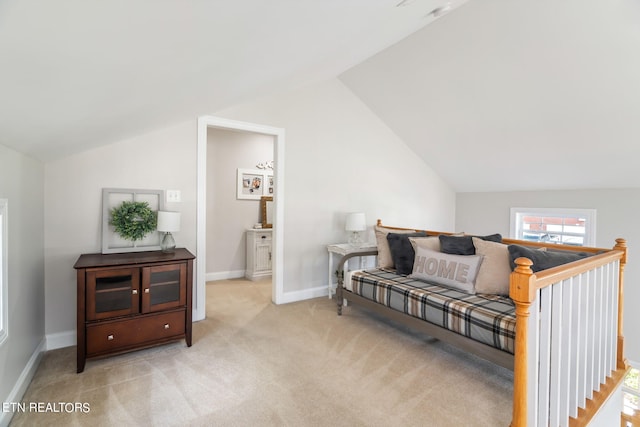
(253, 363)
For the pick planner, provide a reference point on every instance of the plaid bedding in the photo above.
(489, 319)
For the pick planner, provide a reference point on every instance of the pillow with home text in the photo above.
(454, 271)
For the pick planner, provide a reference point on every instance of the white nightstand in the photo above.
(343, 249)
(258, 253)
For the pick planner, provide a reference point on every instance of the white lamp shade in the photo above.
(356, 222)
(168, 222)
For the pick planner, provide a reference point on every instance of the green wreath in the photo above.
(133, 220)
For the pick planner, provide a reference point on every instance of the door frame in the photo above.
(277, 282)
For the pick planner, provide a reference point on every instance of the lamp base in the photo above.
(355, 239)
(168, 245)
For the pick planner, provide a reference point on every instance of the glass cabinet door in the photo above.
(112, 293)
(161, 288)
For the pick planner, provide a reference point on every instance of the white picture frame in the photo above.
(253, 183)
(112, 197)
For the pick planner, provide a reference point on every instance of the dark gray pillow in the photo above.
(543, 259)
(463, 245)
(402, 251)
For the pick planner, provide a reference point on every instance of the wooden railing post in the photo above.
(621, 245)
(522, 292)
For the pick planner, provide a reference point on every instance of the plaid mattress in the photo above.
(489, 319)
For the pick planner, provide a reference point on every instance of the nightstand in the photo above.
(343, 249)
(258, 253)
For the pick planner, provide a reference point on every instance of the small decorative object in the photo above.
(133, 220)
(355, 223)
(265, 165)
(266, 211)
(168, 222)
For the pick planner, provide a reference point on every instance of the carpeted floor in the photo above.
(253, 363)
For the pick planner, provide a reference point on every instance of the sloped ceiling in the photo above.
(76, 74)
(517, 95)
(496, 95)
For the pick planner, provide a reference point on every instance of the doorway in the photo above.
(210, 122)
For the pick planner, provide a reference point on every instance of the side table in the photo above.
(343, 249)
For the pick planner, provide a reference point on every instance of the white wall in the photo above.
(21, 182)
(228, 217)
(617, 212)
(339, 158)
(163, 160)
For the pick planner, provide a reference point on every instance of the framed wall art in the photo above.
(269, 186)
(129, 220)
(254, 183)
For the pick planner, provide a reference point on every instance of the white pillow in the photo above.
(495, 272)
(454, 271)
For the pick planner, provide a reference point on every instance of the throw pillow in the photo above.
(543, 260)
(463, 245)
(384, 253)
(429, 242)
(402, 252)
(454, 271)
(495, 271)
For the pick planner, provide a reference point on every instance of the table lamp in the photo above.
(355, 224)
(168, 222)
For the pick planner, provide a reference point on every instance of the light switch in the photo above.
(173, 196)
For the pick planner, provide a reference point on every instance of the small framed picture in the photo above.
(253, 184)
(269, 186)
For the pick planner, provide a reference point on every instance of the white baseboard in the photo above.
(224, 275)
(61, 340)
(20, 387)
(320, 291)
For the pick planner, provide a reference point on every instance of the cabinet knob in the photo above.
(109, 337)
(166, 326)
(146, 291)
(135, 292)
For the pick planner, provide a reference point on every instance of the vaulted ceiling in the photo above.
(517, 95)
(76, 74)
(495, 95)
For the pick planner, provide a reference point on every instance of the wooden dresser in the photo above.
(131, 301)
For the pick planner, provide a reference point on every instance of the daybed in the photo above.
(552, 313)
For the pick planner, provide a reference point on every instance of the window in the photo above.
(563, 226)
(4, 305)
(631, 392)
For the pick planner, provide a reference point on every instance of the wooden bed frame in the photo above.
(569, 358)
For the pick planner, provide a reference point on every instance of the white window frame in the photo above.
(4, 285)
(516, 231)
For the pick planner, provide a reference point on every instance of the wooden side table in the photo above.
(343, 249)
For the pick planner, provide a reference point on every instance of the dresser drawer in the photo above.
(263, 236)
(106, 337)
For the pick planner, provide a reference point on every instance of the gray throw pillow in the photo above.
(543, 260)
(402, 252)
(454, 271)
(463, 245)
